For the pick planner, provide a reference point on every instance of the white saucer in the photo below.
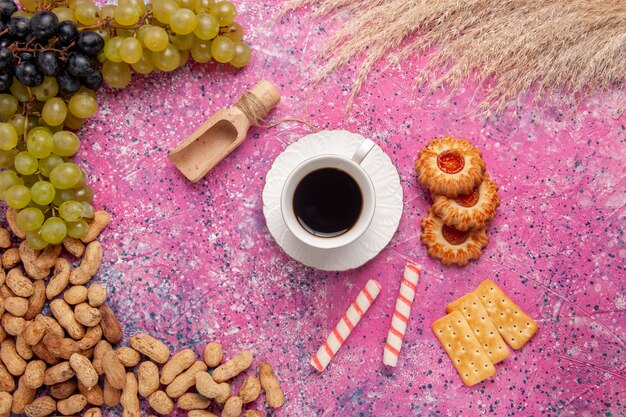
(389, 201)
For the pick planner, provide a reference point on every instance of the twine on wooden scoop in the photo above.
(255, 111)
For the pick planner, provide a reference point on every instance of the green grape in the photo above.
(35, 240)
(137, 4)
(54, 111)
(183, 21)
(155, 39)
(17, 121)
(126, 33)
(77, 229)
(65, 143)
(72, 122)
(187, 4)
(88, 91)
(20, 91)
(203, 5)
(63, 13)
(8, 136)
(130, 50)
(47, 164)
(117, 75)
(73, 4)
(8, 105)
(47, 89)
(88, 211)
(167, 59)
(145, 65)
(201, 51)
(126, 15)
(53, 230)
(87, 14)
(71, 211)
(6, 158)
(25, 163)
(39, 142)
(184, 57)
(225, 12)
(82, 180)
(84, 193)
(83, 106)
(8, 179)
(141, 31)
(42, 192)
(222, 49)
(112, 49)
(65, 175)
(29, 219)
(107, 11)
(61, 196)
(242, 55)
(163, 10)
(183, 42)
(18, 196)
(207, 27)
(53, 129)
(234, 32)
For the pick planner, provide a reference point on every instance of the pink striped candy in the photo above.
(343, 329)
(400, 318)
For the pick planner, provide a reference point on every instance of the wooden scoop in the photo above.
(223, 132)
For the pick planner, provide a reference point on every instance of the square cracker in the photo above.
(515, 326)
(459, 342)
(482, 325)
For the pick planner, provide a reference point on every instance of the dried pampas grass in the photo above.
(510, 47)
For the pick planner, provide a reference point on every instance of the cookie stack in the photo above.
(464, 200)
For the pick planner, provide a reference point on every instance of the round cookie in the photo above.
(450, 245)
(471, 211)
(450, 167)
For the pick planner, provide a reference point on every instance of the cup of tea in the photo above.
(328, 201)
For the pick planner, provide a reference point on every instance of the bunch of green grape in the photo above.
(38, 177)
(164, 35)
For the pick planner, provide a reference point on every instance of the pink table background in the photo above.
(194, 263)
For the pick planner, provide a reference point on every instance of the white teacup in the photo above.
(350, 166)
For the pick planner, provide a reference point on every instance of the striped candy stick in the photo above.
(343, 329)
(401, 315)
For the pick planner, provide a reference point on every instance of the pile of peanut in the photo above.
(69, 355)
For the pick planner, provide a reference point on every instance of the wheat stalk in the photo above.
(510, 47)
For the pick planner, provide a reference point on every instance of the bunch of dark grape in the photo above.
(39, 46)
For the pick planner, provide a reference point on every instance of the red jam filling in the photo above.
(454, 236)
(468, 200)
(450, 162)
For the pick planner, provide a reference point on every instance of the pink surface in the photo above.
(194, 263)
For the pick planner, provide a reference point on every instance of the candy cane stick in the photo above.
(400, 317)
(343, 329)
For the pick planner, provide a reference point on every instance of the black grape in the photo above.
(7, 8)
(67, 32)
(80, 65)
(44, 25)
(5, 82)
(48, 62)
(2, 25)
(28, 74)
(89, 43)
(6, 59)
(26, 56)
(67, 82)
(94, 81)
(5, 42)
(19, 28)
